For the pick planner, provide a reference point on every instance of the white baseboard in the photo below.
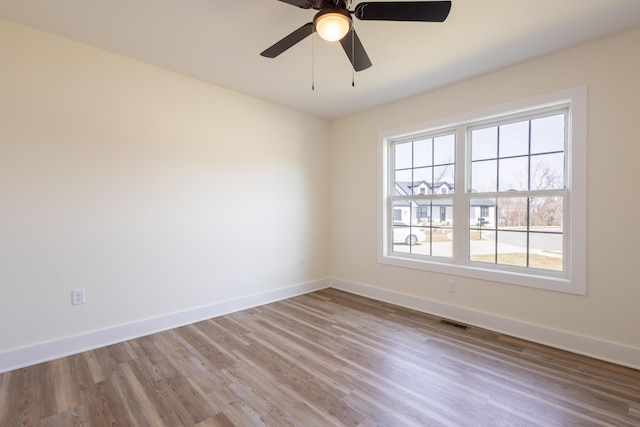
(587, 346)
(43, 352)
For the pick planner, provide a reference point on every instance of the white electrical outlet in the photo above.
(451, 286)
(77, 296)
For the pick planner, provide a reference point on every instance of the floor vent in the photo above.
(454, 324)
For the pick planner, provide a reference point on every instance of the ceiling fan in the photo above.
(333, 22)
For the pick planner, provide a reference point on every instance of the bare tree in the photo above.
(542, 211)
(444, 173)
(546, 210)
(545, 177)
(513, 212)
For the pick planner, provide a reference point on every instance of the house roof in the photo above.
(406, 188)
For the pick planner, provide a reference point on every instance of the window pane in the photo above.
(442, 212)
(484, 176)
(482, 246)
(482, 232)
(402, 213)
(547, 134)
(545, 251)
(512, 248)
(546, 213)
(547, 172)
(403, 156)
(444, 150)
(514, 139)
(513, 174)
(482, 214)
(422, 179)
(484, 143)
(441, 241)
(512, 213)
(443, 174)
(422, 153)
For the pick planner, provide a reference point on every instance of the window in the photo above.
(511, 204)
(423, 214)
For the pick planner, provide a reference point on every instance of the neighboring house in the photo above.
(417, 211)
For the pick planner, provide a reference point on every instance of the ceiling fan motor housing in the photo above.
(333, 14)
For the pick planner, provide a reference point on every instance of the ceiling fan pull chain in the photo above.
(313, 64)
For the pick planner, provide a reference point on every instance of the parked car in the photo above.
(404, 233)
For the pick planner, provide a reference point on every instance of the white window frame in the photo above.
(574, 279)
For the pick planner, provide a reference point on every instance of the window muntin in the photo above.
(423, 169)
(518, 167)
(522, 232)
(528, 195)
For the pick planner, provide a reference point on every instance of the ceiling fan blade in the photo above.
(418, 11)
(304, 4)
(355, 51)
(298, 35)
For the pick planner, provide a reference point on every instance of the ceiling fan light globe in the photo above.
(333, 26)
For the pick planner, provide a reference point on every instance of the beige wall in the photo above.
(610, 311)
(158, 193)
(155, 192)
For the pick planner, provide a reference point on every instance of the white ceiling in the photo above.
(219, 41)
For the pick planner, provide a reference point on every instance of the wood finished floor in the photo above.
(327, 358)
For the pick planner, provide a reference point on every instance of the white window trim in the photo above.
(575, 220)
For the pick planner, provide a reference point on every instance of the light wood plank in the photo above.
(328, 358)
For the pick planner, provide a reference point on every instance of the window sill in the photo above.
(557, 284)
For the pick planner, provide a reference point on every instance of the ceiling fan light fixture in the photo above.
(332, 24)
